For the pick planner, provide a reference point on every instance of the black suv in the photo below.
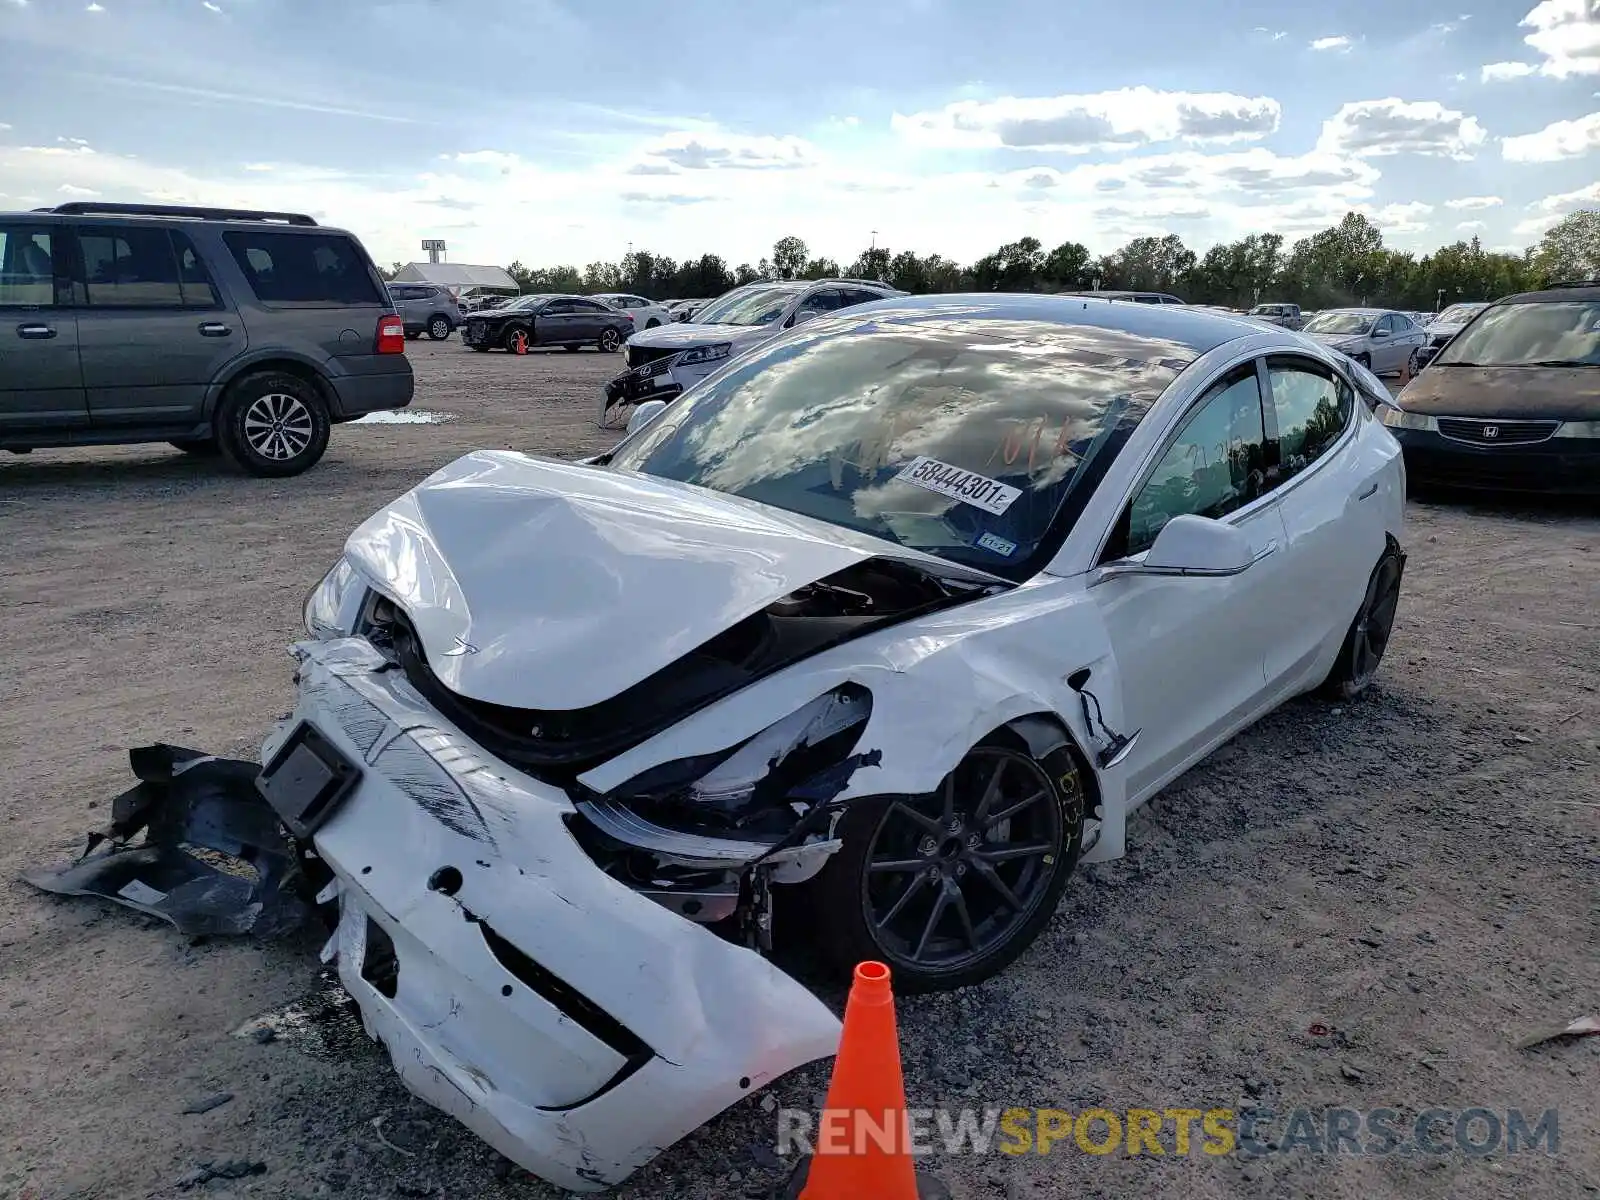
(249, 333)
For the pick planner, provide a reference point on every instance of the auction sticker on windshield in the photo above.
(967, 486)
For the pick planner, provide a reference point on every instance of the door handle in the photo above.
(1371, 491)
(214, 329)
(35, 333)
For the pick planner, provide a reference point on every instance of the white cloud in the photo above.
(1402, 218)
(1339, 43)
(1499, 72)
(1556, 141)
(1465, 225)
(209, 7)
(1378, 128)
(95, 8)
(710, 150)
(4, 127)
(1276, 35)
(1473, 203)
(1077, 124)
(1552, 208)
(68, 189)
(1567, 33)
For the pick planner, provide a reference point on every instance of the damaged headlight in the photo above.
(1398, 418)
(765, 783)
(326, 604)
(705, 354)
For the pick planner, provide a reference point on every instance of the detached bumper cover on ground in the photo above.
(575, 1025)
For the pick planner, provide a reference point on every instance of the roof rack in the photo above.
(99, 208)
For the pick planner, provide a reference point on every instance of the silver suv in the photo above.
(426, 309)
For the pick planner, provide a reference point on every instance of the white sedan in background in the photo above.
(899, 616)
(646, 314)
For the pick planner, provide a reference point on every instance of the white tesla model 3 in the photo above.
(882, 628)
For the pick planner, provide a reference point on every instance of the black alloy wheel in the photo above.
(949, 888)
(1369, 633)
(610, 339)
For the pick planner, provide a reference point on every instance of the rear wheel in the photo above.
(950, 888)
(273, 424)
(1368, 635)
(651, 323)
(439, 328)
(610, 339)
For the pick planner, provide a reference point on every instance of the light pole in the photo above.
(1438, 301)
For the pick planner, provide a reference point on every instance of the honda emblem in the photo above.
(1491, 431)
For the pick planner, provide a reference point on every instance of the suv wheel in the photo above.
(439, 328)
(273, 424)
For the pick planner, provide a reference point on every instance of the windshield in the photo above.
(748, 306)
(962, 438)
(1459, 314)
(525, 302)
(1338, 322)
(1525, 335)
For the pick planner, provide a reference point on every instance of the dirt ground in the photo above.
(1359, 907)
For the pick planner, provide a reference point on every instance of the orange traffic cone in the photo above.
(863, 1147)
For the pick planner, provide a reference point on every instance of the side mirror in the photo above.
(1193, 546)
(644, 414)
(804, 315)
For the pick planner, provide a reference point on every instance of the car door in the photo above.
(1384, 344)
(41, 383)
(851, 296)
(554, 324)
(1328, 496)
(1189, 649)
(150, 343)
(589, 318)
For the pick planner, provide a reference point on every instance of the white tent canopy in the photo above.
(457, 276)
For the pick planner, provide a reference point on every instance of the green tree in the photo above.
(819, 268)
(1015, 267)
(1150, 264)
(788, 258)
(873, 263)
(1065, 266)
(745, 274)
(1570, 249)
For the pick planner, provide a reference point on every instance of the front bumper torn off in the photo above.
(574, 1024)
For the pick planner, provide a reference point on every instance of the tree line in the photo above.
(1346, 264)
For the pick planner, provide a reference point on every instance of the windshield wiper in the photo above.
(1562, 362)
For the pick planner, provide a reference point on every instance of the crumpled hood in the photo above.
(683, 335)
(551, 585)
(1511, 393)
(1335, 339)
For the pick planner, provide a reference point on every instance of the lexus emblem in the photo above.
(461, 647)
(1491, 431)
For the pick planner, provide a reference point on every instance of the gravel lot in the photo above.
(1416, 872)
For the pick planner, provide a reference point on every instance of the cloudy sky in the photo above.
(564, 130)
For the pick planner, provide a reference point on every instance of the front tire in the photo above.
(949, 889)
(440, 328)
(1368, 636)
(610, 340)
(509, 340)
(273, 425)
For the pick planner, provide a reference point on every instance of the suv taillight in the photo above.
(391, 335)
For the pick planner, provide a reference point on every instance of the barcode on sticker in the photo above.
(969, 487)
(140, 893)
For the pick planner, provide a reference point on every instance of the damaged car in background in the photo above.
(863, 645)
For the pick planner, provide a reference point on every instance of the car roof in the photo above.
(1169, 327)
(1365, 312)
(1582, 292)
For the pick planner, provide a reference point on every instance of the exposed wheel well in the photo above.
(1044, 733)
(287, 366)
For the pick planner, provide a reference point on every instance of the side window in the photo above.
(1312, 407)
(557, 308)
(859, 296)
(588, 306)
(823, 300)
(1215, 466)
(130, 267)
(198, 290)
(1385, 325)
(303, 268)
(27, 267)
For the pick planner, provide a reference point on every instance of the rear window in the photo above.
(299, 268)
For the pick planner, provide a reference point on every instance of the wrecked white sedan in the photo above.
(868, 640)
